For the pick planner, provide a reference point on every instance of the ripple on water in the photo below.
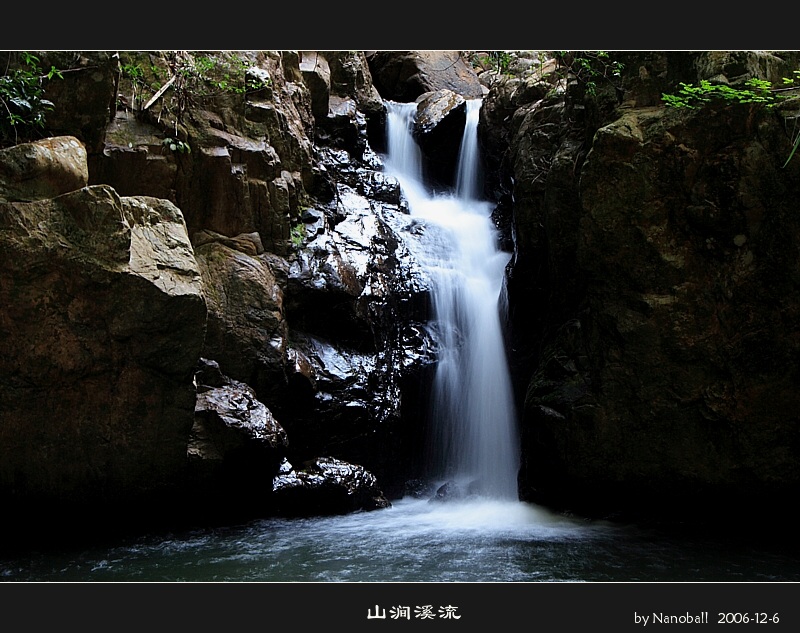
(415, 541)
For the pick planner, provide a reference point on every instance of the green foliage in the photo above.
(755, 91)
(298, 234)
(136, 75)
(498, 61)
(174, 145)
(204, 76)
(691, 96)
(133, 72)
(501, 60)
(23, 107)
(227, 74)
(590, 68)
(178, 80)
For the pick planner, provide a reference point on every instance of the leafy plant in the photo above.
(757, 91)
(133, 71)
(498, 61)
(135, 74)
(694, 96)
(178, 80)
(501, 60)
(591, 67)
(23, 107)
(297, 234)
(174, 145)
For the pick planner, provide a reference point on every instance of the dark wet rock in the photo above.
(438, 129)
(350, 269)
(366, 178)
(448, 491)
(419, 488)
(209, 374)
(663, 244)
(345, 127)
(405, 75)
(228, 416)
(355, 298)
(236, 444)
(329, 382)
(326, 486)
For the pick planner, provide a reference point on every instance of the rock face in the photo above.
(353, 296)
(46, 169)
(405, 75)
(296, 284)
(232, 207)
(102, 325)
(235, 447)
(245, 160)
(326, 486)
(438, 129)
(85, 97)
(657, 258)
(246, 332)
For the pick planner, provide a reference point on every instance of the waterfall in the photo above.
(473, 420)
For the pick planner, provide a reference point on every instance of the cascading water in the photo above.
(473, 417)
(496, 538)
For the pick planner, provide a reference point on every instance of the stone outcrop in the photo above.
(324, 486)
(84, 94)
(353, 296)
(438, 129)
(308, 300)
(247, 333)
(343, 97)
(46, 169)
(232, 207)
(236, 445)
(245, 160)
(102, 325)
(405, 75)
(656, 252)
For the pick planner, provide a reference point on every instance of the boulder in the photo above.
(438, 130)
(42, 169)
(246, 331)
(326, 486)
(405, 75)
(102, 326)
(229, 416)
(236, 444)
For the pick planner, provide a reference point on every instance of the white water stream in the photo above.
(473, 419)
(495, 538)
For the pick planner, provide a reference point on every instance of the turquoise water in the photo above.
(416, 541)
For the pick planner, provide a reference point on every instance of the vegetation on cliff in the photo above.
(23, 107)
